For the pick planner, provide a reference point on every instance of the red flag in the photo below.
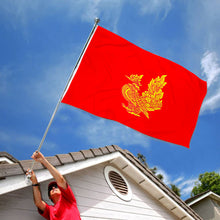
(119, 81)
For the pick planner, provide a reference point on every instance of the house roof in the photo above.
(123, 159)
(201, 196)
(6, 158)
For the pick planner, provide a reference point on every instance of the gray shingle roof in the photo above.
(19, 167)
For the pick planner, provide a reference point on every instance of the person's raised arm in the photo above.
(39, 157)
(36, 191)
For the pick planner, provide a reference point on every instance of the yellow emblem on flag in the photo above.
(149, 100)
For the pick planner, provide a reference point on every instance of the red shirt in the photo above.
(64, 209)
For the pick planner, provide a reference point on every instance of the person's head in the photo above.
(53, 191)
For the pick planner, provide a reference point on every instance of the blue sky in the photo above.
(40, 43)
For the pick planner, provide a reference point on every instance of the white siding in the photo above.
(95, 200)
(206, 209)
(18, 205)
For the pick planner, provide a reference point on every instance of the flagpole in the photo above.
(65, 89)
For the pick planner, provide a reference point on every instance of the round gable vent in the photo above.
(117, 183)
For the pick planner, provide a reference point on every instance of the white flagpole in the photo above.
(66, 88)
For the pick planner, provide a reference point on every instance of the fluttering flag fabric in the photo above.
(118, 80)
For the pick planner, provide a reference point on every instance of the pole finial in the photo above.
(97, 20)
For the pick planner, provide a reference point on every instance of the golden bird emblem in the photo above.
(150, 100)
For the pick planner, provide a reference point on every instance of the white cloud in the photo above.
(178, 180)
(211, 103)
(24, 12)
(5, 73)
(16, 10)
(155, 7)
(210, 67)
(55, 77)
(211, 70)
(202, 22)
(186, 186)
(15, 139)
(101, 132)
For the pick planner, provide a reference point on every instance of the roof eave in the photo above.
(15, 182)
(208, 194)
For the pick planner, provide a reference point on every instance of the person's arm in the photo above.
(36, 191)
(39, 157)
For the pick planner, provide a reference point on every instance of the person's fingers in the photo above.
(29, 172)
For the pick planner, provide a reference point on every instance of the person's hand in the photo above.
(38, 156)
(32, 176)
